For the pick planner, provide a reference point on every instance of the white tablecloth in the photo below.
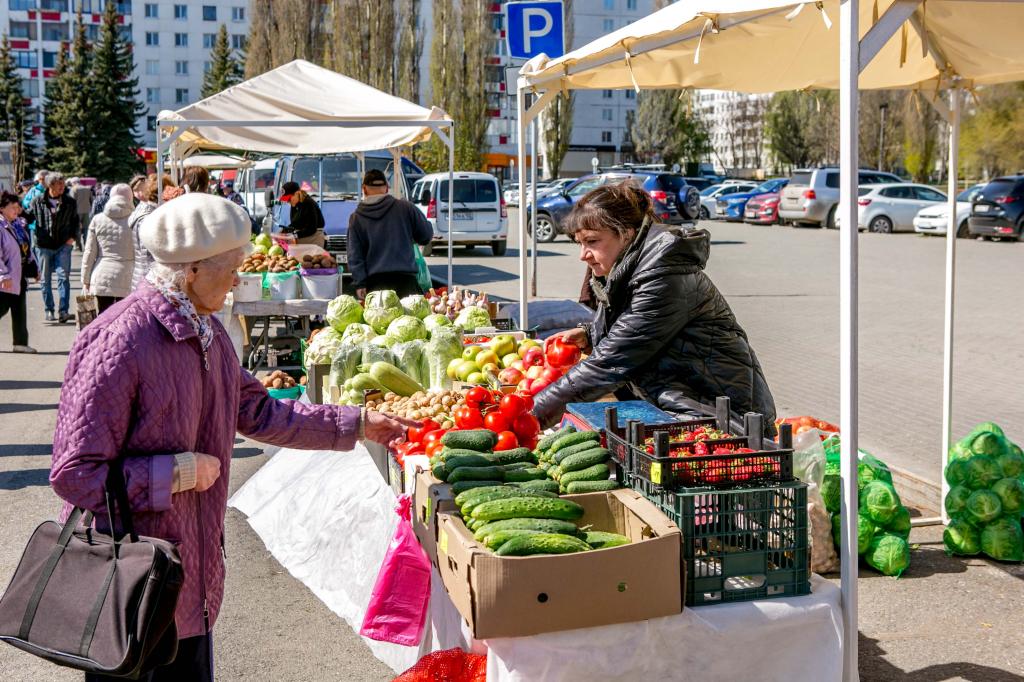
(328, 518)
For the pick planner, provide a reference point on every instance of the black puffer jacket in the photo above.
(663, 329)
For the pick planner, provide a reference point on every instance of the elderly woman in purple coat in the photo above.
(153, 385)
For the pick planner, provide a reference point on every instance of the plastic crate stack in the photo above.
(731, 492)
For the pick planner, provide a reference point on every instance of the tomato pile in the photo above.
(719, 471)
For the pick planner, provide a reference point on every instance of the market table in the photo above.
(300, 309)
(328, 518)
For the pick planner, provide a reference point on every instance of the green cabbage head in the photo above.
(407, 328)
(343, 311)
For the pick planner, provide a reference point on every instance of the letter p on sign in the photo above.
(535, 27)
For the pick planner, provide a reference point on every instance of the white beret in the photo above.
(193, 227)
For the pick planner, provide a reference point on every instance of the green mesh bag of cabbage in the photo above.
(985, 502)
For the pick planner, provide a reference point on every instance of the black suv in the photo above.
(998, 210)
(675, 201)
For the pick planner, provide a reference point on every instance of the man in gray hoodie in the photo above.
(382, 234)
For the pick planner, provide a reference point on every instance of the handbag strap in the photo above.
(116, 486)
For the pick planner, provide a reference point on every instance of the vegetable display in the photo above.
(278, 379)
(450, 304)
(576, 461)
(381, 308)
(259, 262)
(344, 311)
(986, 496)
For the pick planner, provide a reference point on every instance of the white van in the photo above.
(252, 183)
(480, 215)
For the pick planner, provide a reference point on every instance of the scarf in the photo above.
(183, 304)
(601, 285)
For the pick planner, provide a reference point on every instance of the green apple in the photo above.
(526, 344)
(507, 360)
(503, 344)
(475, 378)
(453, 368)
(486, 357)
(466, 367)
(490, 368)
(469, 352)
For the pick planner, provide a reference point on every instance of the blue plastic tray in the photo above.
(593, 413)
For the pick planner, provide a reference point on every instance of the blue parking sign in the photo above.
(535, 27)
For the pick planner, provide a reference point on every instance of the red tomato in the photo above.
(528, 399)
(434, 448)
(409, 448)
(433, 437)
(467, 417)
(530, 443)
(526, 427)
(506, 441)
(497, 421)
(512, 405)
(560, 353)
(478, 395)
(416, 434)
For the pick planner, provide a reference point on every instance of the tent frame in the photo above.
(169, 130)
(855, 55)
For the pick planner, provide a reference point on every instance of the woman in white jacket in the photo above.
(109, 255)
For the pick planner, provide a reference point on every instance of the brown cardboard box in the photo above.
(521, 596)
(430, 497)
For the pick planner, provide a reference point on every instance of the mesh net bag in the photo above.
(449, 665)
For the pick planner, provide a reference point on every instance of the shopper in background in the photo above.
(195, 179)
(382, 233)
(102, 196)
(231, 195)
(138, 185)
(16, 260)
(154, 386)
(109, 257)
(306, 221)
(56, 217)
(34, 191)
(150, 192)
(82, 194)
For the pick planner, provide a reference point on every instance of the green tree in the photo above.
(445, 52)
(115, 92)
(992, 137)
(410, 48)
(786, 128)
(920, 138)
(15, 117)
(653, 127)
(225, 69)
(693, 137)
(70, 115)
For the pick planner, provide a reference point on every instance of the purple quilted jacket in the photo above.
(135, 387)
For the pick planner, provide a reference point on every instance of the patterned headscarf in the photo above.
(180, 300)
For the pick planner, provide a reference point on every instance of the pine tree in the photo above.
(72, 123)
(15, 118)
(116, 97)
(225, 70)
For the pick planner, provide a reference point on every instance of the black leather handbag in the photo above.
(95, 602)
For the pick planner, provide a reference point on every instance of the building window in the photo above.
(152, 38)
(181, 96)
(207, 66)
(29, 87)
(607, 94)
(209, 13)
(606, 136)
(25, 59)
(181, 40)
(237, 14)
(23, 29)
(152, 67)
(152, 10)
(180, 68)
(151, 123)
(49, 60)
(55, 32)
(609, 4)
(238, 42)
(152, 95)
(208, 40)
(608, 25)
(630, 94)
(630, 4)
(22, 4)
(181, 12)
(607, 115)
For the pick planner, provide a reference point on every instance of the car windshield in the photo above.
(999, 188)
(341, 174)
(708, 191)
(263, 178)
(801, 178)
(768, 186)
(861, 191)
(969, 193)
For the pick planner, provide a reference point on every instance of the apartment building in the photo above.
(736, 124)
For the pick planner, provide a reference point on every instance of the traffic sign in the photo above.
(535, 27)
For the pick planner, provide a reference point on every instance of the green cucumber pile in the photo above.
(575, 460)
(508, 502)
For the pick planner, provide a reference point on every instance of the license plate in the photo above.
(751, 214)
(981, 208)
(463, 215)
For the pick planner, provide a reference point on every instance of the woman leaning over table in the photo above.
(155, 387)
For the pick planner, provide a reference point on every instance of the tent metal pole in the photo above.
(451, 194)
(533, 202)
(159, 164)
(849, 70)
(320, 181)
(947, 353)
(521, 213)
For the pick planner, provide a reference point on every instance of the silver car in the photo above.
(812, 195)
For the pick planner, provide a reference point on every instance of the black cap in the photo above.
(287, 190)
(375, 178)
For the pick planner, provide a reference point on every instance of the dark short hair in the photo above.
(618, 207)
(375, 178)
(7, 198)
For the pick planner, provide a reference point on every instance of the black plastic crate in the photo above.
(617, 439)
(742, 544)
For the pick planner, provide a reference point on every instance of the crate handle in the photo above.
(753, 424)
(611, 420)
(722, 411)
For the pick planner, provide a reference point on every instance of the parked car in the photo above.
(480, 216)
(812, 195)
(709, 196)
(554, 186)
(762, 209)
(252, 183)
(998, 211)
(933, 219)
(675, 202)
(511, 193)
(732, 207)
(700, 183)
(892, 207)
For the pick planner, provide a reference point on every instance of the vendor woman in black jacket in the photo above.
(662, 329)
(306, 221)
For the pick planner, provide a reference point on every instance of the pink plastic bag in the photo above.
(398, 606)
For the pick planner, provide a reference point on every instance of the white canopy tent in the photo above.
(302, 108)
(216, 161)
(928, 45)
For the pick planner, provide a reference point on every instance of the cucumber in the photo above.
(544, 466)
(393, 379)
(598, 472)
(528, 507)
(521, 475)
(540, 525)
(488, 473)
(448, 453)
(542, 543)
(580, 487)
(440, 471)
(454, 463)
(545, 484)
(481, 440)
(506, 492)
(466, 486)
(574, 439)
(560, 456)
(582, 460)
(462, 497)
(512, 456)
(548, 440)
(473, 524)
(599, 539)
(500, 537)
(519, 465)
(555, 472)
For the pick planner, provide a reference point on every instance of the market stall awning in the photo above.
(216, 162)
(767, 46)
(356, 116)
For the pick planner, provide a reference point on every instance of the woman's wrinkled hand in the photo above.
(207, 471)
(576, 336)
(385, 429)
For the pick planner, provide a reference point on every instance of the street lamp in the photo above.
(881, 134)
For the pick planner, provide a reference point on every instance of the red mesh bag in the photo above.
(450, 665)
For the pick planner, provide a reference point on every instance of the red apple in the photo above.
(523, 386)
(539, 385)
(518, 364)
(533, 356)
(510, 375)
(535, 372)
(551, 374)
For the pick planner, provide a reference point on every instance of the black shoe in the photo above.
(64, 317)
(50, 316)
